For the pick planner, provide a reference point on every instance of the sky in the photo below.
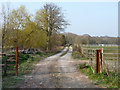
(93, 18)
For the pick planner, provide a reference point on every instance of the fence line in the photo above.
(11, 59)
(106, 45)
(107, 66)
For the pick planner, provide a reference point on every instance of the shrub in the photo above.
(39, 53)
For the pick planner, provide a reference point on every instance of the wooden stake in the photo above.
(98, 61)
(16, 61)
(5, 67)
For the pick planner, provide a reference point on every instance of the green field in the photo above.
(109, 52)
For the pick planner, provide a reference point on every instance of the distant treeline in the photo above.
(87, 39)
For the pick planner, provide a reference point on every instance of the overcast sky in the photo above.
(93, 18)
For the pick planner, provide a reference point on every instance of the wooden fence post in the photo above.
(101, 56)
(98, 61)
(16, 61)
(5, 66)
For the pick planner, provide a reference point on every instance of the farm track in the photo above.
(57, 72)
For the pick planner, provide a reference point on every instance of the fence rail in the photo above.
(105, 57)
(7, 62)
(105, 45)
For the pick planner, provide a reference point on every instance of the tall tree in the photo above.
(18, 19)
(34, 37)
(50, 19)
(4, 27)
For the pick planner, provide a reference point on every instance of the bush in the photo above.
(25, 67)
(39, 53)
(77, 48)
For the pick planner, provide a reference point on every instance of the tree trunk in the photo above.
(3, 35)
(49, 44)
(2, 46)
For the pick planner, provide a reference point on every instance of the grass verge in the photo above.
(101, 78)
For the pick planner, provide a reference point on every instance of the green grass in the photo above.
(11, 82)
(101, 78)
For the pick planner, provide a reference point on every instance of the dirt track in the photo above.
(57, 72)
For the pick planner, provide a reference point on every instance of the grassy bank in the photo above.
(100, 79)
(26, 63)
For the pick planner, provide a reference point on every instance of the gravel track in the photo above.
(57, 72)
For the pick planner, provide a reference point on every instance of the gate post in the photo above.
(101, 57)
(98, 61)
(16, 61)
(5, 66)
